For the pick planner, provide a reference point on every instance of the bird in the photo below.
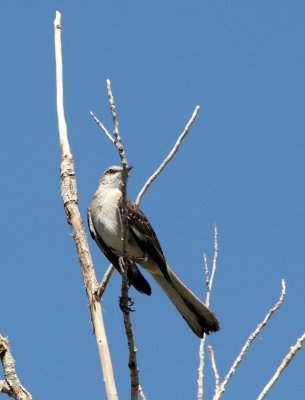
(143, 248)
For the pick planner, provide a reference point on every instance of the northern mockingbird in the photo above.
(105, 224)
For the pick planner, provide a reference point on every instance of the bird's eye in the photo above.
(110, 171)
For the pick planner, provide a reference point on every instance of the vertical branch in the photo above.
(214, 368)
(62, 126)
(209, 284)
(70, 200)
(200, 369)
(116, 133)
(210, 280)
(11, 386)
(123, 261)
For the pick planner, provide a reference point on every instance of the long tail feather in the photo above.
(198, 316)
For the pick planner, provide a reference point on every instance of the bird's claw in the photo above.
(127, 308)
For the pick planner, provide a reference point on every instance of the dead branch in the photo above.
(133, 367)
(214, 367)
(102, 126)
(141, 393)
(248, 343)
(170, 155)
(11, 385)
(102, 286)
(209, 284)
(70, 200)
(282, 366)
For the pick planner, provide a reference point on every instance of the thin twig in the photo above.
(141, 393)
(123, 261)
(251, 338)
(12, 385)
(118, 140)
(70, 200)
(282, 366)
(214, 368)
(170, 155)
(101, 288)
(209, 284)
(101, 125)
(214, 266)
(207, 275)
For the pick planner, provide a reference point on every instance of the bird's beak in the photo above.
(129, 168)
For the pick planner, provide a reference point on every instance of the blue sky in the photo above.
(242, 167)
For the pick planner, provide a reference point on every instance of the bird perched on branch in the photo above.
(143, 247)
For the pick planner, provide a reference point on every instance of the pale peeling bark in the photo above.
(11, 385)
(70, 201)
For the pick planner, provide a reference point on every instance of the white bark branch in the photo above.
(248, 343)
(102, 126)
(209, 284)
(170, 155)
(141, 393)
(70, 200)
(282, 366)
(214, 368)
(11, 385)
(101, 288)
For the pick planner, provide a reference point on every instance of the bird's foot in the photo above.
(124, 307)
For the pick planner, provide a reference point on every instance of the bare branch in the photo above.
(209, 284)
(141, 393)
(215, 259)
(4, 388)
(116, 133)
(170, 155)
(201, 369)
(249, 342)
(214, 368)
(12, 385)
(62, 126)
(210, 279)
(132, 363)
(206, 272)
(101, 125)
(101, 288)
(70, 200)
(282, 366)
(123, 261)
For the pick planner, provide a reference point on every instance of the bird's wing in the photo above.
(145, 236)
(135, 278)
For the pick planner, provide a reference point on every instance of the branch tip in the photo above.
(169, 156)
(287, 359)
(249, 341)
(70, 201)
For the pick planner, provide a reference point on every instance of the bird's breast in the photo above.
(107, 222)
(107, 219)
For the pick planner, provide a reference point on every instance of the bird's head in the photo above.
(113, 177)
